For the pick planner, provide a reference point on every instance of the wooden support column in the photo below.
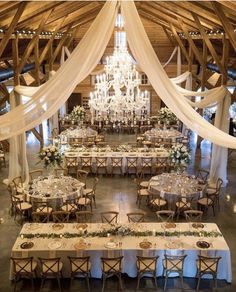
(36, 61)
(15, 53)
(12, 26)
(225, 58)
(204, 67)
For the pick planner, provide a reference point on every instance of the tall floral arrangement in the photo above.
(166, 116)
(78, 113)
(50, 156)
(180, 155)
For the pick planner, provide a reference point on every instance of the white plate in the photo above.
(54, 244)
(110, 245)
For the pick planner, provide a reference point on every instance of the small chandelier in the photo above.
(117, 90)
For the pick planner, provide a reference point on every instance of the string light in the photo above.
(197, 34)
(30, 33)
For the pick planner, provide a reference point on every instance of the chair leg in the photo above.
(166, 277)
(138, 282)
(103, 282)
(59, 283)
(155, 281)
(198, 283)
(42, 282)
(88, 285)
(32, 282)
(120, 281)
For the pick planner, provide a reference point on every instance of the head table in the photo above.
(54, 190)
(131, 239)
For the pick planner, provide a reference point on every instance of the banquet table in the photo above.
(70, 239)
(171, 186)
(159, 152)
(77, 133)
(162, 134)
(54, 190)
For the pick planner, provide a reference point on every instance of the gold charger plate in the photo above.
(80, 245)
(197, 225)
(170, 225)
(145, 244)
(81, 225)
(57, 226)
(27, 245)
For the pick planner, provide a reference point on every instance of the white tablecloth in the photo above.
(162, 134)
(172, 185)
(95, 247)
(54, 190)
(124, 155)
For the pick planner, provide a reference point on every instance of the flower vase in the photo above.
(51, 170)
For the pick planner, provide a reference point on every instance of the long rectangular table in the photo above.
(61, 241)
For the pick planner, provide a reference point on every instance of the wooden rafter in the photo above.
(209, 45)
(12, 27)
(229, 29)
(191, 43)
(154, 20)
(31, 44)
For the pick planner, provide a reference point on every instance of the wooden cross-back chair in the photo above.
(35, 174)
(111, 267)
(40, 217)
(132, 164)
(135, 217)
(24, 268)
(51, 267)
(82, 176)
(202, 174)
(71, 164)
(146, 164)
(80, 266)
(173, 264)
(86, 163)
(60, 216)
(101, 163)
(116, 162)
(165, 215)
(193, 215)
(70, 205)
(207, 266)
(147, 266)
(83, 216)
(109, 217)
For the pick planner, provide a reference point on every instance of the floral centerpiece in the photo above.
(166, 116)
(77, 113)
(50, 156)
(180, 155)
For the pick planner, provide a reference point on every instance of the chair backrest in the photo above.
(35, 173)
(16, 202)
(185, 200)
(162, 161)
(109, 217)
(146, 162)
(86, 161)
(60, 171)
(22, 265)
(165, 215)
(174, 263)
(50, 266)
(82, 175)
(202, 174)
(147, 264)
(17, 181)
(70, 205)
(193, 215)
(101, 161)
(40, 217)
(71, 161)
(132, 162)
(135, 217)
(111, 265)
(83, 216)
(79, 264)
(95, 182)
(60, 216)
(208, 265)
(219, 184)
(116, 161)
(41, 206)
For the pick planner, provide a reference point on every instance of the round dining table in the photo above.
(54, 190)
(173, 186)
(162, 134)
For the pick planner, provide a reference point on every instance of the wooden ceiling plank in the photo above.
(186, 5)
(191, 43)
(8, 7)
(181, 13)
(209, 44)
(48, 45)
(229, 29)
(156, 21)
(31, 44)
(12, 26)
(30, 17)
(182, 47)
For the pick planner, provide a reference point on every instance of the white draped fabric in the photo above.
(53, 94)
(181, 78)
(171, 57)
(146, 57)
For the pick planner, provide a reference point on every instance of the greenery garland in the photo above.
(104, 233)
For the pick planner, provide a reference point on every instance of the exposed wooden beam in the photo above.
(59, 46)
(225, 59)
(182, 47)
(15, 55)
(229, 29)
(12, 27)
(209, 44)
(154, 20)
(191, 42)
(7, 7)
(31, 44)
(49, 43)
(172, 40)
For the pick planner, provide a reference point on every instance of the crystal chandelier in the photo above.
(117, 90)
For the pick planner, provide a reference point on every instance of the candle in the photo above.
(227, 198)
(22, 236)
(60, 235)
(154, 232)
(108, 234)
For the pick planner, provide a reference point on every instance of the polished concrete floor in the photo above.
(119, 193)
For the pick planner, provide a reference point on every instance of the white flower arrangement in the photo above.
(180, 155)
(78, 113)
(166, 116)
(50, 155)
